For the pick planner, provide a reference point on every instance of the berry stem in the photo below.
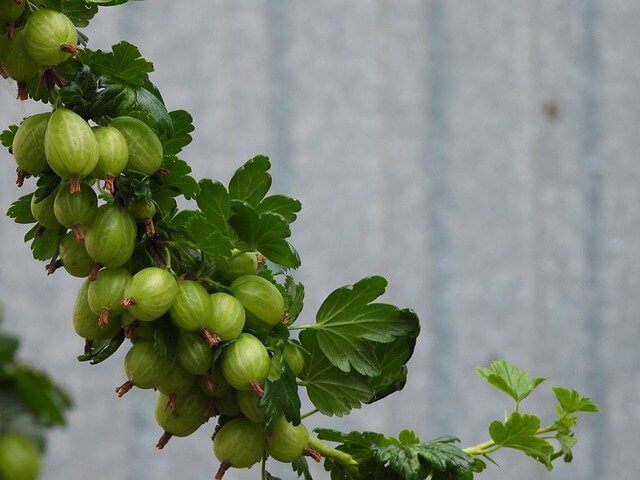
(124, 388)
(3, 72)
(224, 466)
(330, 452)
(309, 413)
(53, 266)
(164, 439)
(88, 345)
(22, 91)
(208, 383)
(67, 47)
(129, 330)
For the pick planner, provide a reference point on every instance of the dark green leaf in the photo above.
(8, 347)
(293, 294)
(282, 205)
(301, 467)
(79, 11)
(103, 349)
(347, 324)
(264, 232)
(45, 242)
(251, 182)
(6, 137)
(281, 397)
(213, 201)
(182, 123)
(165, 341)
(79, 93)
(20, 210)
(178, 179)
(45, 400)
(331, 390)
(154, 113)
(216, 246)
(124, 63)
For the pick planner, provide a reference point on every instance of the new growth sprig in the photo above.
(206, 296)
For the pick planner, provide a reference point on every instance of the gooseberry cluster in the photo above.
(205, 295)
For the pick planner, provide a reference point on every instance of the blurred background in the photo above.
(482, 155)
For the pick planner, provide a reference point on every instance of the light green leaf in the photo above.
(510, 379)
(570, 401)
(518, 432)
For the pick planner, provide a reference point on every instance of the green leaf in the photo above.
(79, 93)
(251, 182)
(45, 400)
(20, 210)
(216, 246)
(8, 346)
(510, 379)
(124, 62)
(78, 11)
(144, 102)
(165, 341)
(103, 349)
(282, 205)
(47, 184)
(213, 201)
(182, 123)
(405, 457)
(294, 298)
(567, 441)
(518, 432)
(347, 324)
(570, 401)
(6, 137)
(110, 3)
(45, 242)
(178, 178)
(301, 467)
(331, 390)
(264, 232)
(281, 397)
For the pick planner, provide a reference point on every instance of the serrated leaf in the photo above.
(281, 397)
(293, 294)
(510, 379)
(8, 346)
(6, 137)
(142, 101)
(264, 232)
(79, 93)
(216, 246)
(43, 398)
(213, 201)
(282, 205)
(347, 324)
(124, 62)
(103, 349)
(78, 11)
(251, 182)
(301, 467)
(182, 123)
(45, 242)
(178, 179)
(331, 390)
(20, 210)
(570, 401)
(519, 433)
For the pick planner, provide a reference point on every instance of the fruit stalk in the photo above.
(329, 452)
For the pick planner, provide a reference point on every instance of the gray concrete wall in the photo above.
(419, 138)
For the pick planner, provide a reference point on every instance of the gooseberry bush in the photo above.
(206, 296)
(30, 403)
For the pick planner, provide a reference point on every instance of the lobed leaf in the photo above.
(510, 379)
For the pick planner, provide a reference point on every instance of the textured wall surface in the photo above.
(481, 154)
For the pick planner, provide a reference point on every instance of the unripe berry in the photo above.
(51, 36)
(239, 444)
(150, 293)
(245, 363)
